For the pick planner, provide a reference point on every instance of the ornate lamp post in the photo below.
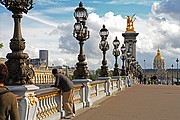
(123, 57)
(145, 67)
(104, 46)
(137, 66)
(116, 53)
(18, 64)
(177, 60)
(172, 74)
(128, 60)
(132, 63)
(81, 33)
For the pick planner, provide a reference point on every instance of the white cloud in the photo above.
(61, 10)
(168, 8)
(140, 2)
(41, 21)
(153, 33)
(50, 2)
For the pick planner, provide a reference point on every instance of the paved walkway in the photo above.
(140, 102)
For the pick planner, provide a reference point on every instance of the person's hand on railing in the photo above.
(53, 86)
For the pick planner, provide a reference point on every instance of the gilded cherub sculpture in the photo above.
(130, 21)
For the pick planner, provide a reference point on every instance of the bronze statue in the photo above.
(130, 21)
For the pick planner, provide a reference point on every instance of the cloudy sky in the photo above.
(49, 26)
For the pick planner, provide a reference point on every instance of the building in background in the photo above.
(159, 61)
(43, 56)
(42, 61)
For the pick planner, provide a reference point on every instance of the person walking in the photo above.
(67, 87)
(8, 101)
(144, 80)
(129, 79)
(140, 78)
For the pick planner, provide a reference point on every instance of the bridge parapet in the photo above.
(43, 77)
(45, 104)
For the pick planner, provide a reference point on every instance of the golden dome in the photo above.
(158, 56)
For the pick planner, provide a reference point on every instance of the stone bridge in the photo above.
(46, 103)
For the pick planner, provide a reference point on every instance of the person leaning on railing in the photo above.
(8, 101)
(67, 87)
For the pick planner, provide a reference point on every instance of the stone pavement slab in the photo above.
(140, 102)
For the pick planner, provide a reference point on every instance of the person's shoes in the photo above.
(69, 116)
(73, 115)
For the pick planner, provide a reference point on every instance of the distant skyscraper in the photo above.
(43, 56)
(158, 61)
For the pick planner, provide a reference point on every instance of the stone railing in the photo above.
(45, 104)
(43, 77)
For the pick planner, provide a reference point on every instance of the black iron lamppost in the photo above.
(172, 74)
(144, 67)
(128, 60)
(18, 64)
(116, 53)
(132, 64)
(104, 46)
(167, 78)
(177, 60)
(123, 57)
(81, 33)
(137, 67)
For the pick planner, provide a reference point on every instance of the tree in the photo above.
(94, 76)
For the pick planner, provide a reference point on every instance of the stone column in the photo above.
(86, 90)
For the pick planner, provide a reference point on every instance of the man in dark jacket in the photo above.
(67, 88)
(8, 101)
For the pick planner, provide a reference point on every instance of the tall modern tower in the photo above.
(43, 56)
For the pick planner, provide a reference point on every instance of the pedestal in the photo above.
(130, 40)
(29, 103)
(85, 91)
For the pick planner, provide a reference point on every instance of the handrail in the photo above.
(48, 101)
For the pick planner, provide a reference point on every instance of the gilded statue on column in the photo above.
(130, 21)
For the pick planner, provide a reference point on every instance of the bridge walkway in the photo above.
(140, 102)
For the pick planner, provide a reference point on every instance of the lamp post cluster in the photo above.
(81, 33)
(126, 56)
(18, 64)
(104, 46)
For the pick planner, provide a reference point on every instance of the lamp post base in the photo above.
(116, 72)
(20, 72)
(81, 71)
(104, 71)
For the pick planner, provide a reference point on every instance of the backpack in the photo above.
(3, 92)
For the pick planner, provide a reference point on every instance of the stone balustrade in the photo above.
(43, 77)
(45, 104)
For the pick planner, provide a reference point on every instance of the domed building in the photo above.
(158, 61)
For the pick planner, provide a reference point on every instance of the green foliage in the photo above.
(111, 73)
(94, 76)
(98, 71)
(91, 76)
(70, 77)
(1, 45)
